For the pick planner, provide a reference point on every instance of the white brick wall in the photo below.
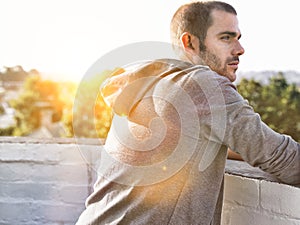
(257, 202)
(44, 183)
(47, 182)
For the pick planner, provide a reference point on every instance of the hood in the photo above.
(128, 85)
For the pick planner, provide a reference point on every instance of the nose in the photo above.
(238, 50)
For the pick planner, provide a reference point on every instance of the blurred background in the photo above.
(46, 48)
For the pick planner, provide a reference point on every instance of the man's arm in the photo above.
(233, 155)
(258, 144)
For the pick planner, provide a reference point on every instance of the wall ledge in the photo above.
(241, 168)
(30, 140)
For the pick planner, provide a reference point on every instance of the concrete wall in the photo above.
(47, 182)
(44, 182)
(255, 197)
(251, 201)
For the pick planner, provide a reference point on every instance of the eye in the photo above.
(225, 37)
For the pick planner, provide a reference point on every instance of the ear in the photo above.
(190, 43)
(190, 48)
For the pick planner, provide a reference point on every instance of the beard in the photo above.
(215, 63)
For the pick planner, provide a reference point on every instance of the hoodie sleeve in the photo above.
(259, 145)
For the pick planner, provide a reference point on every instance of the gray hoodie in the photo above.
(165, 154)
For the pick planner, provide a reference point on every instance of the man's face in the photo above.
(222, 45)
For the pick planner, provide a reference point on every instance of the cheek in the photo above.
(218, 51)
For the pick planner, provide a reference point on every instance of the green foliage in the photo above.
(81, 109)
(7, 131)
(67, 94)
(1, 110)
(91, 116)
(27, 115)
(28, 104)
(278, 103)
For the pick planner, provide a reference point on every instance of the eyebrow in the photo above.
(232, 34)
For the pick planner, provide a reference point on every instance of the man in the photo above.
(213, 41)
(165, 154)
(217, 46)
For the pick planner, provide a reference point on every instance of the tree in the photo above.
(81, 109)
(277, 102)
(91, 116)
(1, 110)
(36, 93)
(26, 114)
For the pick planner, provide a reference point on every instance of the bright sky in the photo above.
(65, 37)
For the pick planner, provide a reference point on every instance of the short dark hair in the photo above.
(196, 18)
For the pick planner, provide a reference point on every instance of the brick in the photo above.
(63, 213)
(89, 154)
(77, 154)
(30, 153)
(45, 192)
(72, 155)
(226, 213)
(245, 216)
(75, 174)
(15, 212)
(15, 171)
(280, 198)
(240, 190)
(50, 153)
(68, 193)
(29, 191)
(24, 212)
